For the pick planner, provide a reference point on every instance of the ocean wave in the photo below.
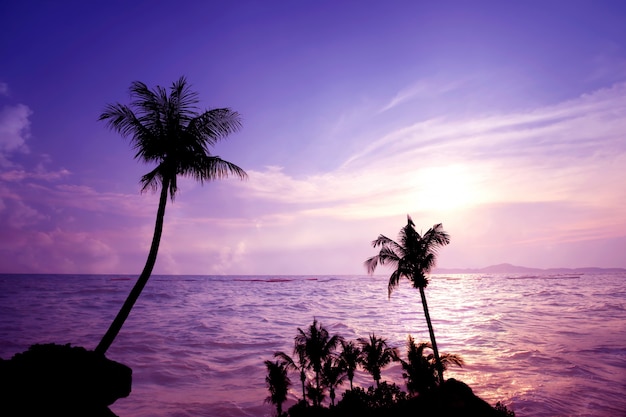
(197, 344)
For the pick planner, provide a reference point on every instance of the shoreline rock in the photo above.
(51, 379)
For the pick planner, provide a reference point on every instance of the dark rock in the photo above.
(62, 380)
(457, 399)
(452, 399)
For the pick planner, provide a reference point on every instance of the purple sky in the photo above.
(505, 121)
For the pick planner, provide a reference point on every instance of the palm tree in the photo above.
(317, 345)
(412, 258)
(349, 358)
(333, 375)
(277, 383)
(375, 355)
(301, 365)
(169, 131)
(420, 370)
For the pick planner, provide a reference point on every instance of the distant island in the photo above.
(513, 269)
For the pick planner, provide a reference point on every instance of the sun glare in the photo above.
(445, 188)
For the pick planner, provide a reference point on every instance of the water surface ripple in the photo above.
(543, 345)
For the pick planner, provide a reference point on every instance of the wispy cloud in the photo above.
(17, 175)
(424, 88)
(549, 153)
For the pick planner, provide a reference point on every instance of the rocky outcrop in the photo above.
(61, 380)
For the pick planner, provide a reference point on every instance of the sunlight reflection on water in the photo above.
(543, 345)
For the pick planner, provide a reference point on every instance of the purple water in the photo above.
(544, 346)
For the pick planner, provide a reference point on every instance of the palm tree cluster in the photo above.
(324, 362)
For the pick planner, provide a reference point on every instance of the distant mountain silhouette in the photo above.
(514, 269)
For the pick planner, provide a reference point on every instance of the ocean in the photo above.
(552, 345)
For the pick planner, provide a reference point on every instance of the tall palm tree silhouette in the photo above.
(301, 365)
(277, 383)
(171, 132)
(333, 375)
(318, 346)
(413, 257)
(375, 355)
(349, 358)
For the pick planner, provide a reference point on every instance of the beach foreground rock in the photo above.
(61, 380)
(453, 399)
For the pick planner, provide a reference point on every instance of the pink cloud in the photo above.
(14, 129)
(17, 175)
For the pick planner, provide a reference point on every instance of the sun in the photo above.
(445, 188)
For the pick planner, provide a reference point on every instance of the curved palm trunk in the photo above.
(432, 335)
(121, 317)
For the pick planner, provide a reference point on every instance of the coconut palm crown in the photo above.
(376, 354)
(420, 369)
(349, 358)
(301, 365)
(317, 345)
(412, 257)
(170, 131)
(277, 382)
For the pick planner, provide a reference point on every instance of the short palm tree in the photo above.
(317, 345)
(420, 370)
(349, 358)
(375, 355)
(413, 257)
(171, 132)
(333, 375)
(301, 365)
(277, 382)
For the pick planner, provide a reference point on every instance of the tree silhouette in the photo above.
(413, 257)
(349, 358)
(317, 345)
(169, 131)
(333, 375)
(420, 369)
(301, 365)
(375, 355)
(277, 383)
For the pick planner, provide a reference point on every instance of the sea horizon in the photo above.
(501, 268)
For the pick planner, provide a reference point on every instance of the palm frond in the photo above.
(394, 281)
(381, 240)
(435, 238)
(451, 359)
(206, 168)
(214, 125)
(371, 264)
(151, 180)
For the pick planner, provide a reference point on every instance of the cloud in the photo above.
(424, 88)
(14, 130)
(17, 175)
(552, 153)
(575, 125)
(57, 251)
(23, 215)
